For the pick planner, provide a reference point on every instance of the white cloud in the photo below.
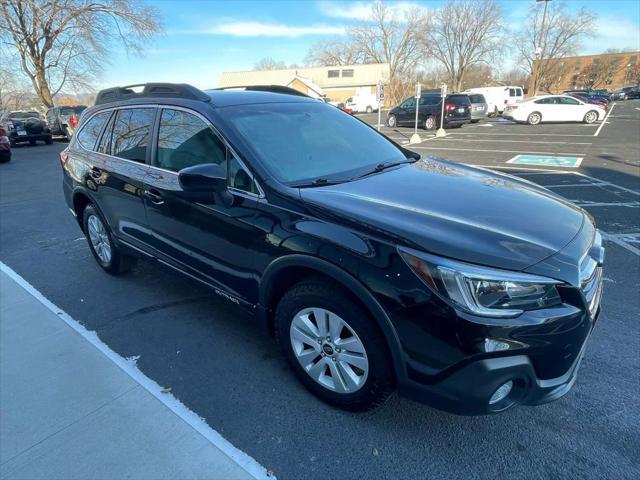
(361, 10)
(260, 29)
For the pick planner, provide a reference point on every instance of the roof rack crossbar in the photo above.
(267, 88)
(166, 90)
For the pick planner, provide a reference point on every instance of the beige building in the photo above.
(337, 83)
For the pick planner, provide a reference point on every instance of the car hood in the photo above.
(456, 211)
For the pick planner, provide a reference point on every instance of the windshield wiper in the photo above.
(318, 182)
(385, 165)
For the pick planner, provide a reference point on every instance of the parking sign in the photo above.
(380, 92)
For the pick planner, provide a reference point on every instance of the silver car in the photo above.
(478, 107)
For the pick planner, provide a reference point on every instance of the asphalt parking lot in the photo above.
(218, 362)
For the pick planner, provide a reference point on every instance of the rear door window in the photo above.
(90, 131)
(131, 132)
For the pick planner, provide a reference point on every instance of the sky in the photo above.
(202, 39)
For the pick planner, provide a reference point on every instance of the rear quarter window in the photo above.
(90, 131)
(459, 99)
(477, 98)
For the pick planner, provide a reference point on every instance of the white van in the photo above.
(498, 97)
(362, 103)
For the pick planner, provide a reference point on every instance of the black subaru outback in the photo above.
(376, 269)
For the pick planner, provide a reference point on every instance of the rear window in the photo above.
(24, 115)
(477, 98)
(71, 110)
(459, 99)
(131, 131)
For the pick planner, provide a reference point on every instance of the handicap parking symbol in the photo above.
(547, 161)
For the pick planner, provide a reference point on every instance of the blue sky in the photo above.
(204, 38)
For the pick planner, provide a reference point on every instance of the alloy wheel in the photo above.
(590, 117)
(99, 238)
(429, 123)
(391, 121)
(329, 350)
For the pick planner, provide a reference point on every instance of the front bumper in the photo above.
(467, 390)
(15, 138)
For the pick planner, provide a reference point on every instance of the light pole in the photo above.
(533, 84)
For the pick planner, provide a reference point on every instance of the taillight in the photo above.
(449, 106)
(64, 156)
(5, 144)
(73, 121)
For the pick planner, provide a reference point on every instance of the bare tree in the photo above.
(66, 42)
(515, 76)
(268, 63)
(600, 72)
(465, 34)
(387, 38)
(334, 53)
(556, 69)
(562, 36)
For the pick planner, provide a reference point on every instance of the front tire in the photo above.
(590, 117)
(534, 118)
(391, 121)
(334, 346)
(430, 123)
(101, 243)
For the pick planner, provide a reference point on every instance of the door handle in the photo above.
(95, 172)
(154, 196)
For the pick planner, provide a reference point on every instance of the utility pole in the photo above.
(533, 83)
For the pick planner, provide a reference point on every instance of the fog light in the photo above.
(491, 345)
(501, 392)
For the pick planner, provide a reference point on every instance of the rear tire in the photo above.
(328, 353)
(391, 121)
(32, 142)
(369, 110)
(48, 140)
(475, 120)
(534, 118)
(590, 117)
(430, 123)
(101, 243)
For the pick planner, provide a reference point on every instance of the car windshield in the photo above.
(21, 115)
(302, 142)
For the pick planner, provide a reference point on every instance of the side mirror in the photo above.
(204, 178)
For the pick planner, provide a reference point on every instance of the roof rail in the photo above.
(268, 88)
(165, 90)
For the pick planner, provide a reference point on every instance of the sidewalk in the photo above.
(72, 408)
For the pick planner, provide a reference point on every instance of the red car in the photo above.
(5, 146)
(592, 100)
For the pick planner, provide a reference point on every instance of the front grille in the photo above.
(591, 277)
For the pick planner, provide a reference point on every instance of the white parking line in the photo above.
(518, 141)
(503, 151)
(604, 120)
(586, 203)
(618, 240)
(533, 134)
(537, 171)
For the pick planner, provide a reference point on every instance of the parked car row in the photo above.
(25, 127)
(30, 126)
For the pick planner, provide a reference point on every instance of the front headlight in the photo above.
(482, 290)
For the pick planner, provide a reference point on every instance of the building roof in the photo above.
(368, 74)
(309, 83)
